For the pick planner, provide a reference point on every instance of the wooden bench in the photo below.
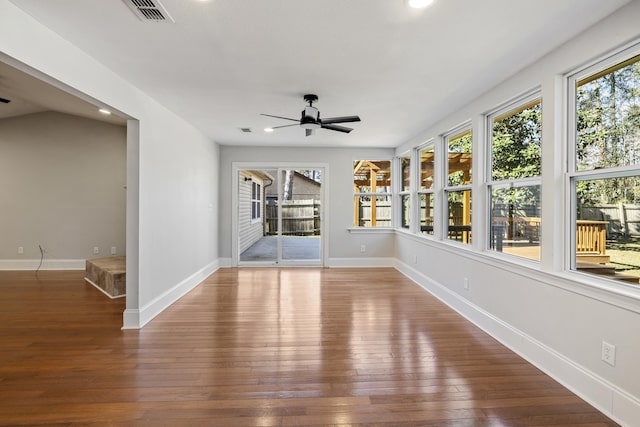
(108, 275)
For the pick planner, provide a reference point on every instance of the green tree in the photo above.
(608, 132)
(516, 149)
(517, 153)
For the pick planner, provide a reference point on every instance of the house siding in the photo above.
(249, 232)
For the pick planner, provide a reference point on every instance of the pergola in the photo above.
(374, 174)
(370, 174)
(457, 162)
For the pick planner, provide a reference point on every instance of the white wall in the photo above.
(62, 186)
(172, 176)
(344, 247)
(556, 319)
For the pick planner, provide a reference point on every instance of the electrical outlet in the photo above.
(20, 250)
(96, 250)
(466, 283)
(609, 353)
(363, 248)
(114, 250)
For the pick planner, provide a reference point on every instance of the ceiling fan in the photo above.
(310, 119)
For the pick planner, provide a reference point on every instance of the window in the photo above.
(604, 172)
(405, 191)
(426, 195)
(256, 202)
(514, 177)
(458, 185)
(372, 193)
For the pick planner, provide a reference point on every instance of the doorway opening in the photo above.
(280, 216)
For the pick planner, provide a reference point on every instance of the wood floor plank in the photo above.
(265, 347)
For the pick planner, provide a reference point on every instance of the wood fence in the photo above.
(382, 214)
(623, 219)
(299, 218)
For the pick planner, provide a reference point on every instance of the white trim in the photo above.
(371, 230)
(361, 262)
(225, 262)
(617, 404)
(611, 292)
(260, 200)
(237, 167)
(131, 319)
(136, 319)
(103, 291)
(47, 264)
(399, 194)
(132, 262)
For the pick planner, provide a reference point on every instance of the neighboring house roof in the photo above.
(305, 178)
(260, 174)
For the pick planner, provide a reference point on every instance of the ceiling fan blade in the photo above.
(308, 132)
(280, 117)
(5, 101)
(335, 127)
(345, 119)
(284, 126)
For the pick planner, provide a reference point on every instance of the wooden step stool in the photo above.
(108, 275)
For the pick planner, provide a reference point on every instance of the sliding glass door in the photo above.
(279, 216)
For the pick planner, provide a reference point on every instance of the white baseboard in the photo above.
(137, 318)
(47, 264)
(103, 291)
(606, 397)
(225, 262)
(360, 262)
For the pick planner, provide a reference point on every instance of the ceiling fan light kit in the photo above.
(310, 119)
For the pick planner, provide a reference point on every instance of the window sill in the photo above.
(371, 230)
(603, 290)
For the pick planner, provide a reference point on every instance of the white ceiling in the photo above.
(223, 62)
(29, 95)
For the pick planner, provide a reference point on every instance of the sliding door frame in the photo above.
(235, 211)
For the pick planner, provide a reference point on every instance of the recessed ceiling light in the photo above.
(104, 111)
(268, 129)
(418, 4)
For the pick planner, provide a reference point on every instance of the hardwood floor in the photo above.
(264, 347)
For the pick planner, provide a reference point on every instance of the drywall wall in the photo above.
(62, 186)
(172, 168)
(556, 319)
(344, 246)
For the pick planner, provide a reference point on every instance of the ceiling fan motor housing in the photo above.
(310, 118)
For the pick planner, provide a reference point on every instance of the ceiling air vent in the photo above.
(149, 10)
(245, 130)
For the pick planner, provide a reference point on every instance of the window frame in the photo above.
(452, 134)
(389, 195)
(511, 107)
(598, 68)
(256, 202)
(403, 193)
(430, 145)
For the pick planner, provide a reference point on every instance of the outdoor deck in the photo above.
(592, 263)
(293, 248)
